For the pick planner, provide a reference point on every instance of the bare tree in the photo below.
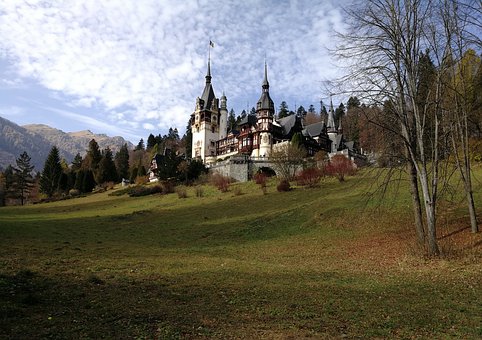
(391, 44)
(287, 159)
(462, 67)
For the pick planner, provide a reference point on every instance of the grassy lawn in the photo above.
(319, 263)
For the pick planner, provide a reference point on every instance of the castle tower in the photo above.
(264, 119)
(223, 119)
(205, 121)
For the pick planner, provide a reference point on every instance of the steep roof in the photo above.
(314, 129)
(208, 93)
(287, 123)
(265, 102)
(249, 119)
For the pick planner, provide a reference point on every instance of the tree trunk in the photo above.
(416, 205)
(473, 217)
(430, 213)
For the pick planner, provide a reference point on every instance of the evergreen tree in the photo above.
(93, 156)
(88, 181)
(151, 141)
(301, 112)
(339, 113)
(9, 179)
(79, 178)
(231, 120)
(188, 140)
(49, 180)
(140, 145)
(283, 110)
(2, 189)
(133, 177)
(106, 171)
(297, 139)
(173, 134)
(122, 162)
(23, 179)
(141, 171)
(352, 103)
(77, 163)
(311, 109)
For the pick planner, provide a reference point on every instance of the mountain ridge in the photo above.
(38, 139)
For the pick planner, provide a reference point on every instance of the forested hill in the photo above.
(38, 139)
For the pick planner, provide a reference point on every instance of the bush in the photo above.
(181, 192)
(283, 185)
(340, 166)
(141, 180)
(199, 191)
(237, 191)
(167, 186)
(260, 178)
(74, 192)
(309, 177)
(144, 190)
(220, 182)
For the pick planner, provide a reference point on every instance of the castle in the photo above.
(256, 135)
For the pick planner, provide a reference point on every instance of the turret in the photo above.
(264, 115)
(223, 117)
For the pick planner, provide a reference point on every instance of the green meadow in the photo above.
(328, 262)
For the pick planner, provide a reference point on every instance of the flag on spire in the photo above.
(211, 43)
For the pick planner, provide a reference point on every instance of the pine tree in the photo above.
(88, 182)
(301, 112)
(187, 138)
(122, 162)
(23, 179)
(77, 162)
(93, 156)
(49, 180)
(106, 171)
(231, 120)
(140, 145)
(311, 109)
(283, 110)
(151, 141)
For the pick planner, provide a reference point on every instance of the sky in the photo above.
(134, 67)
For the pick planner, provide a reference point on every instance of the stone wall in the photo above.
(240, 171)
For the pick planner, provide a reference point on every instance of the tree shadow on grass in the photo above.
(229, 303)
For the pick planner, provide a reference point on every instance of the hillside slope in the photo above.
(38, 139)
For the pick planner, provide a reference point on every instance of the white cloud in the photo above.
(148, 126)
(139, 61)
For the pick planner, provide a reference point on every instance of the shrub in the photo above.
(74, 192)
(339, 167)
(181, 192)
(220, 182)
(260, 178)
(144, 190)
(283, 185)
(199, 191)
(141, 180)
(237, 191)
(309, 177)
(167, 186)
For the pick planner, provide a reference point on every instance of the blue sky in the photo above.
(132, 68)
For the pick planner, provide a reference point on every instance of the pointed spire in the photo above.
(331, 117)
(265, 80)
(208, 75)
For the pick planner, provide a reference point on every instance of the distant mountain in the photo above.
(38, 139)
